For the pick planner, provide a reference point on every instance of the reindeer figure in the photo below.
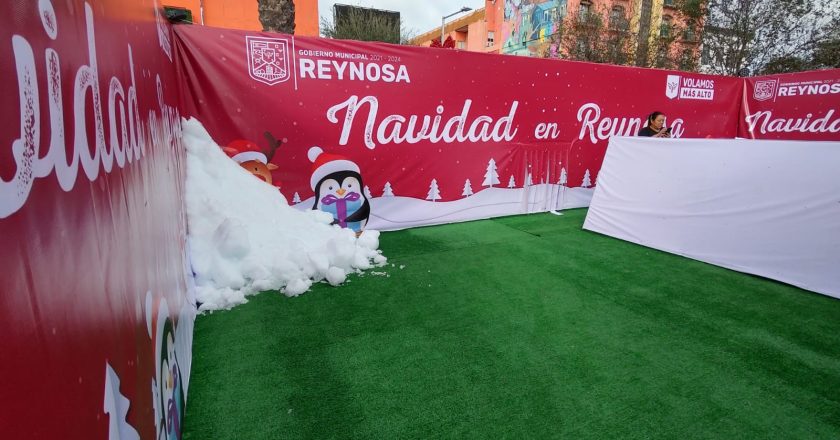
(257, 161)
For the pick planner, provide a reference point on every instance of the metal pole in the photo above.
(443, 22)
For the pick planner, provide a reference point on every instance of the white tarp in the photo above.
(769, 208)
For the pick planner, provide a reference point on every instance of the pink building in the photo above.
(531, 27)
(471, 31)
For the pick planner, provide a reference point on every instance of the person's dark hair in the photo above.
(652, 117)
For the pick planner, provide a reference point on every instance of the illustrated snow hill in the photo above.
(390, 212)
(244, 238)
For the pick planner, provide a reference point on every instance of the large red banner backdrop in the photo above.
(435, 136)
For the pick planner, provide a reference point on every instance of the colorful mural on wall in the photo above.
(529, 23)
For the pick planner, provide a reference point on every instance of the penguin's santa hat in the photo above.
(324, 164)
(241, 151)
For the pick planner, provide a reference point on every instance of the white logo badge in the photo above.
(268, 59)
(765, 89)
(672, 86)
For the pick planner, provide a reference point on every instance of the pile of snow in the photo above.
(244, 238)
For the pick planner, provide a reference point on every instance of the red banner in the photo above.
(96, 322)
(435, 135)
(799, 106)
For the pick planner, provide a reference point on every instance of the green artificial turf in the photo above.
(522, 327)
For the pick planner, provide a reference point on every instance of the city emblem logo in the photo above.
(268, 59)
(765, 89)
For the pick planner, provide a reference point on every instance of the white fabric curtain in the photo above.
(769, 208)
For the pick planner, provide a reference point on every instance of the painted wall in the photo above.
(477, 33)
(527, 23)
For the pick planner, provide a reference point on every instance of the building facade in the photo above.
(473, 31)
(656, 30)
(243, 14)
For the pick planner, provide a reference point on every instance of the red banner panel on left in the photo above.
(95, 311)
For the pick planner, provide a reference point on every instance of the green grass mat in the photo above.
(522, 327)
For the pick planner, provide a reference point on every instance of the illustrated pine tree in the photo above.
(564, 178)
(367, 192)
(296, 198)
(468, 191)
(434, 191)
(586, 180)
(511, 182)
(528, 180)
(491, 177)
(387, 191)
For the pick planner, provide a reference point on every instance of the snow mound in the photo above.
(244, 238)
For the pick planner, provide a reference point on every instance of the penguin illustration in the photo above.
(339, 190)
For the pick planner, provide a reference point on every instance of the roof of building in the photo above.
(466, 20)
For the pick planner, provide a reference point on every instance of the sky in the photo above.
(418, 16)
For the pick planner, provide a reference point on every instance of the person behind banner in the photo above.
(655, 126)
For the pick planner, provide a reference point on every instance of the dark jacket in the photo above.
(647, 132)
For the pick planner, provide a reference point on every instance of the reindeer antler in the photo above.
(273, 145)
